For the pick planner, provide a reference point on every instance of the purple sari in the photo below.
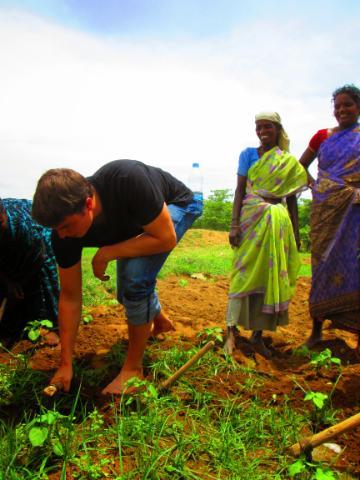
(335, 231)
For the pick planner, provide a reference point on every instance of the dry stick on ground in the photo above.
(322, 437)
(51, 390)
(187, 365)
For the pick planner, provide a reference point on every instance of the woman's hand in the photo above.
(235, 235)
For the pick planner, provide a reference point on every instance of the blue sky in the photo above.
(166, 82)
(174, 18)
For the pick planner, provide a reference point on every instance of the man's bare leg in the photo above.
(162, 324)
(258, 342)
(138, 336)
(316, 333)
(230, 341)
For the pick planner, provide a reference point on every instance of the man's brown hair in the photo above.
(60, 192)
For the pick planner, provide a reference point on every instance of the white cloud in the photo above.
(72, 99)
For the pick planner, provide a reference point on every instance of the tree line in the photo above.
(218, 212)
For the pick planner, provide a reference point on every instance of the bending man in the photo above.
(135, 214)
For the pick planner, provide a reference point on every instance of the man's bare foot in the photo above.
(230, 345)
(257, 341)
(162, 324)
(118, 385)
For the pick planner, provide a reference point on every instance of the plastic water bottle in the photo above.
(195, 182)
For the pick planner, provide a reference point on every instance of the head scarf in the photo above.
(284, 141)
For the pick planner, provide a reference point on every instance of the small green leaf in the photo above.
(322, 474)
(152, 390)
(38, 435)
(34, 335)
(46, 323)
(336, 360)
(296, 467)
(49, 418)
(58, 449)
(88, 319)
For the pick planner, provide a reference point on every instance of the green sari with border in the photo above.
(266, 263)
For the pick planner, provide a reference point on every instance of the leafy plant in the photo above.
(317, 398)
(315, 471)
(47, 426)
(323, 414)
(324, 359)
(211, 333)
(88, 318)
(34, 328)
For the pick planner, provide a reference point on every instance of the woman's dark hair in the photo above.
(60, 192)
(350, 90)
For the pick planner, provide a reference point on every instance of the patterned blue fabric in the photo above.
(27, 259)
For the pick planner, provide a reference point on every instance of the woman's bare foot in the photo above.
(162, 324)
(316, 334)
(118, 385)
(230, 345)
(258, 342)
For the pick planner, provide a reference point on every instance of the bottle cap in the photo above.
(195, 165)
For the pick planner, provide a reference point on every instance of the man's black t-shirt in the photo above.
(132, 194)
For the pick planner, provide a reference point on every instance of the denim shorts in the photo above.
(136, 277)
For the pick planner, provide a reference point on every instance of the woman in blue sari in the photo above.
(28, 274)
(335, 218)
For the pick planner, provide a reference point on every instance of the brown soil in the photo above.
(201, 303)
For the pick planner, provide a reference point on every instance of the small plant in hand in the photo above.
(35, 327)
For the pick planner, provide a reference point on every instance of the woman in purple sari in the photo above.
(335, 218)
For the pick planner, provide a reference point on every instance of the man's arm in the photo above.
(159, 236)
(70, 303)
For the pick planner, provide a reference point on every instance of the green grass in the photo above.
(189, 432)
(192, 431)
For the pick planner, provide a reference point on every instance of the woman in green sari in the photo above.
(264, 234)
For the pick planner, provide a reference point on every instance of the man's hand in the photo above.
(235, 236)
(62, 378)
(99, 264)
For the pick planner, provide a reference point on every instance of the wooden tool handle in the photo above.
(187, 365)
(325, 435)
